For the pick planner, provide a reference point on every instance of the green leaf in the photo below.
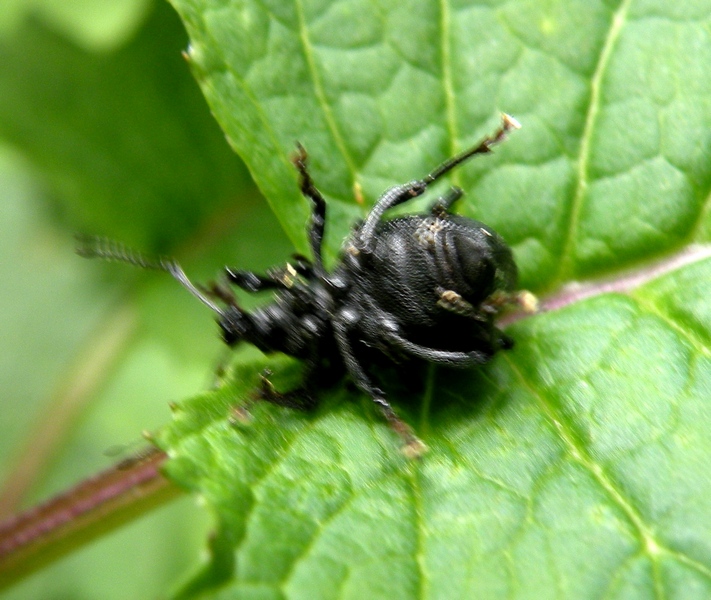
(572, 466)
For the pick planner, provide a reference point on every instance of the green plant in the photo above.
(573, 466)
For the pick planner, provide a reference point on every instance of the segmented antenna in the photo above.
(110, 250)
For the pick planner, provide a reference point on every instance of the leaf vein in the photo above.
(580, 455)
(616, 24)
(650, 546)
(323, 523)
(693, 340)
(447, 83)
(704, 211)
(320, 92)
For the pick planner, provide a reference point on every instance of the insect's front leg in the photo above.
(283, 278)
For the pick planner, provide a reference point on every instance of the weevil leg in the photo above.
(453, 302)
(442, 205)
(412, 445)
(302, 266)
(283, 278)
(318, 214)
(401, 193)
(442, 357)
(483, 147)
(392, 197)
(301, 398)
(250, 281)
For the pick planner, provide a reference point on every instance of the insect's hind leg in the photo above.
(402, 193)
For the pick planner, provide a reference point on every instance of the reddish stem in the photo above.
(43, 533)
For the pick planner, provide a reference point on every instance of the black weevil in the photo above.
(425, 287)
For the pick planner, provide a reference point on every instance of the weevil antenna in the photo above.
(172, 267)
(110, 250)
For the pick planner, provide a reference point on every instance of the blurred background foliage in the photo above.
(103, 130)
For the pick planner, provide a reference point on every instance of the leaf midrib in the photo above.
(320, 92)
